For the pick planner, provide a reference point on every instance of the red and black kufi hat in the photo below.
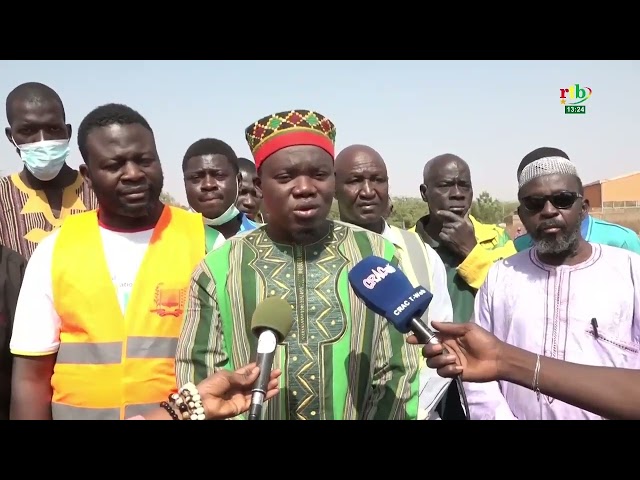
(285, 129)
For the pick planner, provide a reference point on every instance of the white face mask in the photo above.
(44, 159)
(228, 215)
(231, 213)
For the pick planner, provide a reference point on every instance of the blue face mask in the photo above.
(44, 159)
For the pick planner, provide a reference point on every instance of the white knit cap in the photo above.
(546, 166)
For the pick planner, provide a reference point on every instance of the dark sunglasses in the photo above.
(560, 200)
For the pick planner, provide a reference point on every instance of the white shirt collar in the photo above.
(390, 234)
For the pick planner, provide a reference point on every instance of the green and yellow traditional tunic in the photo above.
(340, 360)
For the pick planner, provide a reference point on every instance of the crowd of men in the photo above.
(111, 300)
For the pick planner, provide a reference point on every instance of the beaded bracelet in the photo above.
(189, 402)
(192, 399)
(170, 410)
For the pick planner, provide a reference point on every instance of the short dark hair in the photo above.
(211, 146)
(32, 92)
(103, 116)
(246, 165)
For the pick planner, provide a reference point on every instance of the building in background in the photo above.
(614, 193)
(615, 200)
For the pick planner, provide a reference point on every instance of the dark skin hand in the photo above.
(226, 394)
(457, 232)
(479, 356)
(473, 351)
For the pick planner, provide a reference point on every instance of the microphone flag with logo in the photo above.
(387, 291)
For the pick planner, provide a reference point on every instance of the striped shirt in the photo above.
(340, 360)
(422, 266)
(27, 217)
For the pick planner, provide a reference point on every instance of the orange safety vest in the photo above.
(111, 366)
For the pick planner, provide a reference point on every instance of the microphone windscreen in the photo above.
(387, 291)
(275, 314)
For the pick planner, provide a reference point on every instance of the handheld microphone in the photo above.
(397, 300)
(387, 291)
(271, 322)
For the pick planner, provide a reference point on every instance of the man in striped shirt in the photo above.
(36, 200)
(340, 360)
(362, 191)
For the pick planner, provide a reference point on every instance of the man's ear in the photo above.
(7, 132)
(84, 171)
(423, 192)
(257, 183)
(584, 211)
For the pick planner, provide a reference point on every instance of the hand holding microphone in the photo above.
(271, 323)
(387, 291)
(227, 394)
(473, 353)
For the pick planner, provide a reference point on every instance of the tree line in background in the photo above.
(407, 210)
(168, 199)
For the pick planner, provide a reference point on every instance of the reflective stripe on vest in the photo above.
(111, 366)
(111, 352)
(68, 412)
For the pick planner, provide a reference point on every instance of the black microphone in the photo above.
(271, 323)
(387, 291)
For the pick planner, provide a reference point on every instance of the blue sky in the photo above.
(491, 113)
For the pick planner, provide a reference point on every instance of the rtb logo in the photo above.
(377, 275)
(574, 97)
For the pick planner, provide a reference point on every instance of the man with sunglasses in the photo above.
(564, 298)
(592, 229)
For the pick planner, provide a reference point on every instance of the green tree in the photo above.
(487, 209)
(168, 199)
(407, 211)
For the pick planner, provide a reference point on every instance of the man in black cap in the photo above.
(581, 302)
(592, 229)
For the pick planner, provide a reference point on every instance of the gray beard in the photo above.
(565, 244)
